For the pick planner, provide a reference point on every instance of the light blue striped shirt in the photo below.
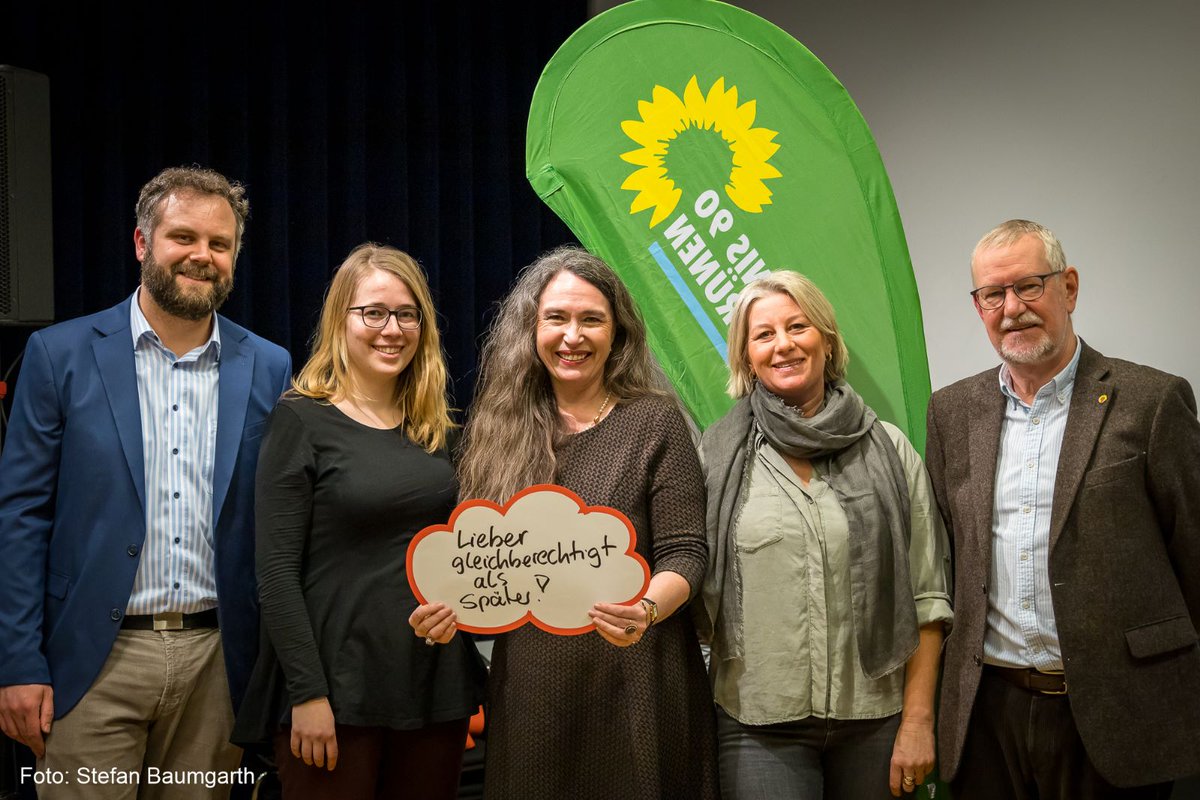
(1021, 629)
(178, 402)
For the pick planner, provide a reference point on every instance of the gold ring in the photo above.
(630, 629)
(909, 780)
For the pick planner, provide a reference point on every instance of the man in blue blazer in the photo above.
(128, 616)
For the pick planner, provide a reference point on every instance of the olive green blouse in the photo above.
(801, 655)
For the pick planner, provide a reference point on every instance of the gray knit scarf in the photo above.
(862, 467)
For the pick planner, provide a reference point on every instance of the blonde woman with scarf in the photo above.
(827, 592)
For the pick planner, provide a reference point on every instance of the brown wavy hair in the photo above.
(509, 439)
(190, 180)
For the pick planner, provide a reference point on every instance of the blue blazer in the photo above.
(72, 500)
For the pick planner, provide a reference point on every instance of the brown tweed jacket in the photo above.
(1124, 561)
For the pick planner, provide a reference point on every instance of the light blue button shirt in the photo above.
(1021, 629)
(178, 402)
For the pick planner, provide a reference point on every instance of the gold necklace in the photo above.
(373, 418)
(600, 413)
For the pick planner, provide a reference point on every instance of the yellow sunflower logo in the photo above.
(710, 138)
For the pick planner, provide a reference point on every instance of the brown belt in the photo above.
(1031, 680)
(170, 621)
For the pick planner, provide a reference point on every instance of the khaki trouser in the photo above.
(154, 724)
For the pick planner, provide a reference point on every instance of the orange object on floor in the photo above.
(474, 728)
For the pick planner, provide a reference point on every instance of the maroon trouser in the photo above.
(421, 764)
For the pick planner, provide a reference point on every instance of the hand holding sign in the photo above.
(545, 557)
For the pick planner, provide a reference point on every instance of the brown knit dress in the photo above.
(576, 717)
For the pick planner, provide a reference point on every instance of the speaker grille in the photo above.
(6, 283)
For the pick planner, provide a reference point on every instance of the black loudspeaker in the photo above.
(26, 247)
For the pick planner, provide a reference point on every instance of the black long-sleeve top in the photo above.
(337, 504)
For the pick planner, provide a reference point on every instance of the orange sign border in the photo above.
(529, 616)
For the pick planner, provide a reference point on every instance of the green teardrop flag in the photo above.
(695, 146)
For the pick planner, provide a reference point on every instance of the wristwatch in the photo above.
(651, 611)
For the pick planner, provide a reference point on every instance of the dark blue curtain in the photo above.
(401, 123)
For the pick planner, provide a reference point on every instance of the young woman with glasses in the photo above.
(354, 462)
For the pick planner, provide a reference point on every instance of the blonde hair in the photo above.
(421, 388)
(514, 423)
(812, 302)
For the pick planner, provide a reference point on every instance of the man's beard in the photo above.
(193, 305)
(1031, 352)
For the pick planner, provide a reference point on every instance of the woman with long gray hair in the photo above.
(569, 394)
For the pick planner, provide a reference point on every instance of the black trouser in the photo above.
(1023, 745)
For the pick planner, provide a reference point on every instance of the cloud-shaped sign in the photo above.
(545, 557)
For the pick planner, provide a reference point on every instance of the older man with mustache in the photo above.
(128, 617)
(1069, 484)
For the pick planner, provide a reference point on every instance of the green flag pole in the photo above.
(695, 146)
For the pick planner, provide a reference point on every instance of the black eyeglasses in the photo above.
(1031, 287)
(407, 317)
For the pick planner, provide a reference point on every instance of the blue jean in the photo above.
(809, 759)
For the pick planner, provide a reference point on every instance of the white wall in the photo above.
(1084, 116)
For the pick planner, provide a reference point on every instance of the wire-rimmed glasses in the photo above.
(1028, 288)
(407, 317)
